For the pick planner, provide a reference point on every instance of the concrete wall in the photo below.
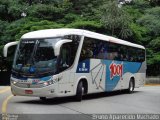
(153, 80)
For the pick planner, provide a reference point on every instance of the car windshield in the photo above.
(36, 56)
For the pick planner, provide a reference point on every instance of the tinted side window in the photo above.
(132, 54)
(136, 54)
(87, 49)
(141, 55)
(102, 50)
(123, 53)
(93, 48)
(68, 52)
(113, 52)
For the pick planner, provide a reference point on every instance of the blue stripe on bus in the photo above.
(110, 84)
(131, 67)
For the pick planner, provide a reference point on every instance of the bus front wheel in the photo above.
(80, 91)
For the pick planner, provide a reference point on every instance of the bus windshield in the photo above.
(36, 56)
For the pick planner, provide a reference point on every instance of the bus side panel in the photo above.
(114, 72)
(98, 75)
(118, 73)
(140, 76)
(94, 71)
(109, 75)
(130, 69)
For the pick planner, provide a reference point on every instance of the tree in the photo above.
(87, 25)
(137, 21)
(116, 20)
(151, 21)
(155, 3)
(88, 9)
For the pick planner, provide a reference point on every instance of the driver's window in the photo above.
(68, 52)
(64, 58)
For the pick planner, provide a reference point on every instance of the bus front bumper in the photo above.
(48, 91)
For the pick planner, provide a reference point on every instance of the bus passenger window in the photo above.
(112, 51)
(101, 50)
(87, 49)
(141, 55)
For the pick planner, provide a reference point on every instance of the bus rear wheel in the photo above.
(80, 91)
(131, 86)
(43, 98)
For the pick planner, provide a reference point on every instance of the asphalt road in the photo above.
(143, 100)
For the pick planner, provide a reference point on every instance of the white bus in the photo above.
(74, 62)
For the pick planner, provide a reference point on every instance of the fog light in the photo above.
(52, 91)
(45, 83)
(50, 82)
(14, 82)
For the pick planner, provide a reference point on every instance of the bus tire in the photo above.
(131, 86)
(43, 98)
(80, 91)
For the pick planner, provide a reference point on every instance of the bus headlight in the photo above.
(45, 83)
(13, 81)
(50, 82)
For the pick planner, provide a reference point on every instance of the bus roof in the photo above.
(48, 33)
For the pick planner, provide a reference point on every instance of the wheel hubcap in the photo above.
(82, 90)
(131, 86)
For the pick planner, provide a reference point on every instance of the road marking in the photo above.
(152, 85)
(4, 105)
(4, 90)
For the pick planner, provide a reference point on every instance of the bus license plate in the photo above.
(28, 92)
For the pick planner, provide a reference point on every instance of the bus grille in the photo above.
(24, 85)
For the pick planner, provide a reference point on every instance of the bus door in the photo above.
(64, 62)
(64, 66)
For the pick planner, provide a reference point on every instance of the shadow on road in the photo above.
(62, 100)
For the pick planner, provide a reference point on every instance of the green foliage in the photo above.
(155, 58)
(49, 12)
(116, 20)
(37, 25)
(151, 21)
(3, 25)
(155, 2)
(1, 49)
(139, 33)
(133, 12)
(69, 18)
(136, 22)
(141, 5)
(155, 44)
(88, 25)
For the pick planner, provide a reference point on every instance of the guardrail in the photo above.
(153, 80)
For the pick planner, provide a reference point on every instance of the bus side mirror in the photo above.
(58, 45)
(5, 49)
